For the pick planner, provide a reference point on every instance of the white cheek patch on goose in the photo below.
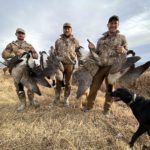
(31, 62)
(23, 63)
(45, 60)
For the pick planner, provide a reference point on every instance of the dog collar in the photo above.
(133, 100)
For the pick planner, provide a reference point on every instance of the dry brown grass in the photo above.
(59, 128)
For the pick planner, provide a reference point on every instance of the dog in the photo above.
(140, 108)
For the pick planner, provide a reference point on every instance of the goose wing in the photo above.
(84, 80)
(134, 72)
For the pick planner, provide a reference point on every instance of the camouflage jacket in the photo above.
(107, 54)
(12, 48)
(66, 48)
(105, 47)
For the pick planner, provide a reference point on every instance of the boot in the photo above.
(66, 101)
(21, 108)
(107, 105)
(67, 95)
(57, 98)
(32, 102)
(22, 99)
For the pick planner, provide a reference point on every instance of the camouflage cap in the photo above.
(67, 25)
(20, 30)
(114, 17)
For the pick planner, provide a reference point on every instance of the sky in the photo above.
(43, 21)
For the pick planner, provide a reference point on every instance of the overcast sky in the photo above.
(43, 20)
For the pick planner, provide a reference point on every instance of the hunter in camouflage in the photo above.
(16, 48)
(111, 49)
(65, 47)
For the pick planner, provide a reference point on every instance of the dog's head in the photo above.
(122, 94)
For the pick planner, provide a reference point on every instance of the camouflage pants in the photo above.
(21, 93)
(101, 74)
(68, 70)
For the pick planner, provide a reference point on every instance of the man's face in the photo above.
(20, 36)
(67, 31)
(113, 26)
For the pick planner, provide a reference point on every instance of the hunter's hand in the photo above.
(91, 45)
(20, 52)
(120, 49)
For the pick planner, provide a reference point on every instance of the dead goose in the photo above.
(127, 70)
(51, 66)
(43, 64)
(134, 72)
(117, 72)
(21, 69)
(84, 77)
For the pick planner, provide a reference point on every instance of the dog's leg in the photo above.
(138, 133)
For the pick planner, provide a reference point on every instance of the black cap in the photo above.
(114, 17)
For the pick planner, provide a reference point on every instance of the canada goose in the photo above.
(51, 66)
(134, 72)
(118, 72)
(23, 70)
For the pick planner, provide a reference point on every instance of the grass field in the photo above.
(59, 128)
